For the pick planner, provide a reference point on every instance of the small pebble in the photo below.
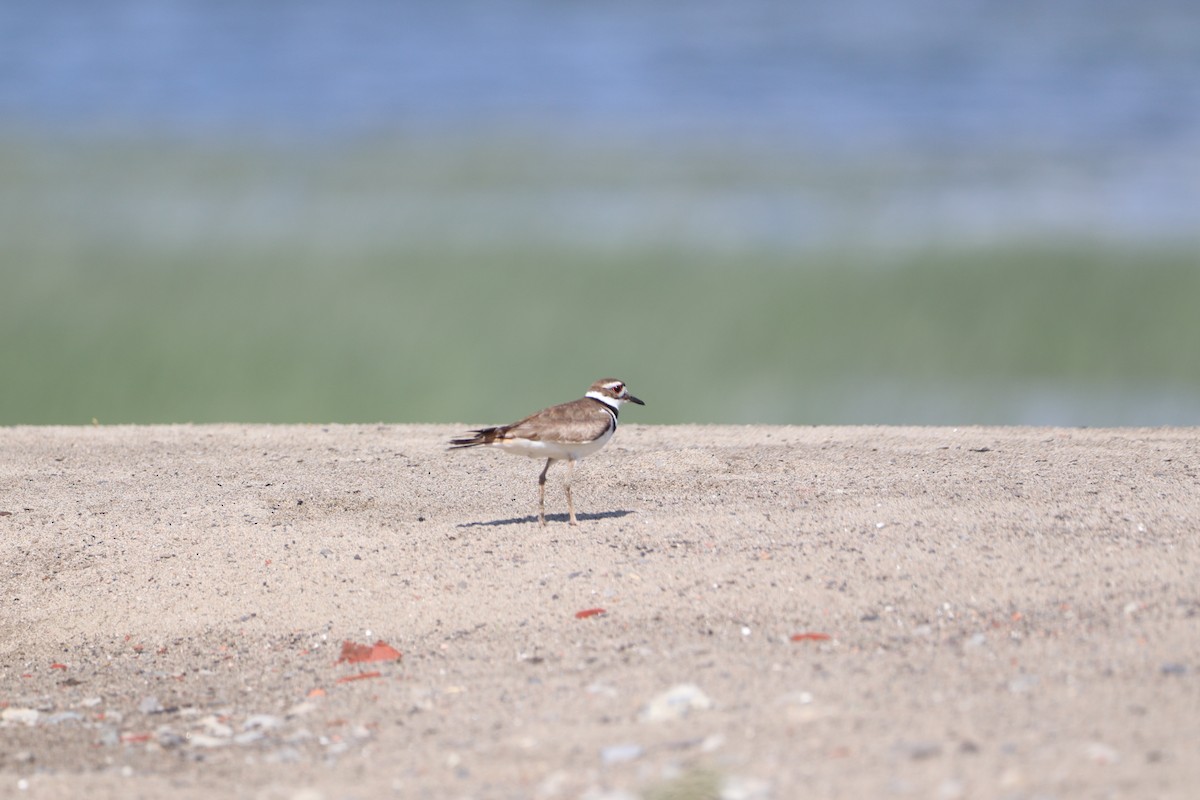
(1101, 753)
(800, 698)
(24, 716)
(150, 705)
(301, 708)
(264, 722)
(168, 738)
(214, 727)
(738, 788)
(1023, 683)
(596, 793)
(249, 737)
(1173, 669)
(676, 703)
(620, 753)
(920, 751)
(552, 785)
(200, 740)
(307, 794)
(951, 789)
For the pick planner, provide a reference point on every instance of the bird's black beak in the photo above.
(633, 399)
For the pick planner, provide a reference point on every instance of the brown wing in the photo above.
(578, 421)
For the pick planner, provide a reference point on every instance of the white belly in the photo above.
(562, 451)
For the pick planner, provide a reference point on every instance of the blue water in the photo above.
(1076, 115)
(1101, 75)
(865, 122)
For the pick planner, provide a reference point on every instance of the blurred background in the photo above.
(850, 211)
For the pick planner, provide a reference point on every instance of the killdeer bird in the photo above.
(566, 432)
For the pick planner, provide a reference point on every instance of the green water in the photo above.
(144, 285)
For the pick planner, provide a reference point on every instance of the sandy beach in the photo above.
(326, 611)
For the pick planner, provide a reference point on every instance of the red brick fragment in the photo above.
(362, 676)
(354, 653)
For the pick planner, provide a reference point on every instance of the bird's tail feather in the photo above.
(479, 437)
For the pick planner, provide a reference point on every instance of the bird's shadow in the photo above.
(549, 518)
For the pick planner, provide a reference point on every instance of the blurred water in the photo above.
(167, 166)
(1073, 117)
(1097, 75)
